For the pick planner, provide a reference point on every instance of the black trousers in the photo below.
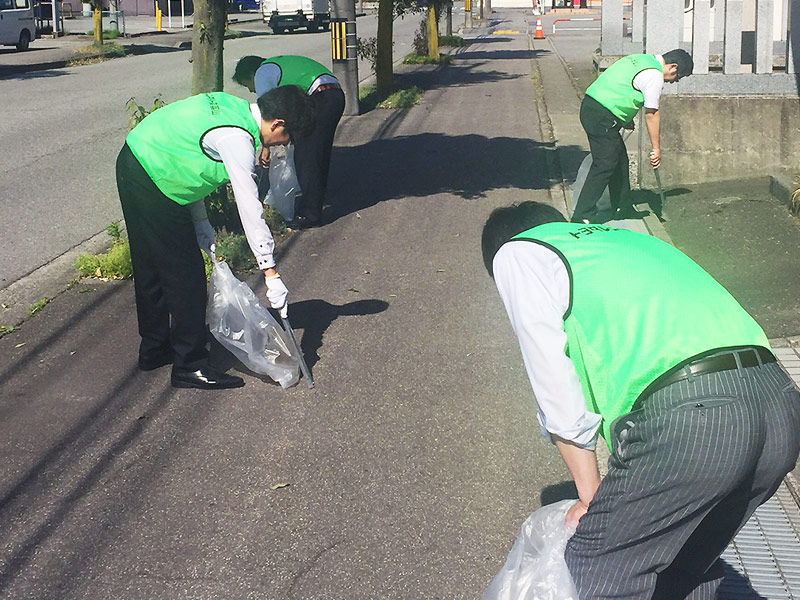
(312, 154)
(168, 273)
(609, 162)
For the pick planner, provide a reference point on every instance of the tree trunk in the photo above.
(97, 23)
(433, 33)
(383, 60)
(210, 18)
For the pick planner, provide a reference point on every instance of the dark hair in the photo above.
(290, 103)
(246, 68)
(506, 222)
(681, 58)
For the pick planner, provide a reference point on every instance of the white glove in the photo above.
(205, 236)
(277, 294)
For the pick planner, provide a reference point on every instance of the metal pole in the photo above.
(660, 190)
(303, 366)
(344, 51)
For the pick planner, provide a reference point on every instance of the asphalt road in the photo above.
(63, 127)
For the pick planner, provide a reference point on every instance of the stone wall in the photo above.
(718, 138)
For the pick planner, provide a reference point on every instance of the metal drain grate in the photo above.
(763, 561)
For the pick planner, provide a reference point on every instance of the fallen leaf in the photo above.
(392, 295)
(20, 345)
(278, 486)
(358, 216)
(440, 270)
(366, 272)
(354, 290)
(315, 254)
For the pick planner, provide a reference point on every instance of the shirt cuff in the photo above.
(583, 433)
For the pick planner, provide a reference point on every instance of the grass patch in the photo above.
(453, 41)
(369, 98)
(110, 34)
(38, 305)
(424, 59)
(114, 264)
(93, 54)
(4, 329)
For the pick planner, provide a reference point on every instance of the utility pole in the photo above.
(343, 51)
(449, 21)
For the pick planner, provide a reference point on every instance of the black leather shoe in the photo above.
(156, 360)
(206, 378)
(629, 213)
(302, 222)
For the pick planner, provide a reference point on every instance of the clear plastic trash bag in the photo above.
(604, 203)
(239, 322)
(283, 185)
(535, 568)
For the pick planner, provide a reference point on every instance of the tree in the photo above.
(383, 61)
(433, 32)
(97, 21)
(208, 34)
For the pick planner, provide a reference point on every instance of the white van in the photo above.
(17, 23)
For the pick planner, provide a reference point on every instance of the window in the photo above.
(6, 4)
(21, 3)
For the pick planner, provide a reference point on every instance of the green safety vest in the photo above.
(638, 307)
(614, 88)
(297, 70)
(168, 143)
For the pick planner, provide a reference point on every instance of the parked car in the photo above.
(288, 15)
(17, 23)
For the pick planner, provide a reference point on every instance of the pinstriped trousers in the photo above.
(687, 471)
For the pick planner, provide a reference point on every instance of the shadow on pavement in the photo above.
(500, 54)
(429, 163)
(313, 317)
(33, 71)
(558, 492)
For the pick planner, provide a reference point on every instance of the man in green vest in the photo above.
(624, 336)
(170, 162)
(611, 103)
(312, 155)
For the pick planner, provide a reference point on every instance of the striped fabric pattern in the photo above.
(686, 473)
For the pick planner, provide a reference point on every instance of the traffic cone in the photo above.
(539, 35)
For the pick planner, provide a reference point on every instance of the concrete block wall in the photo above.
(718, 138)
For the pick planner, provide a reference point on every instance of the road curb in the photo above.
(49, 281)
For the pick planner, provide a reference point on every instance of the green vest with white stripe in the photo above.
(168, 143)
(638, 307)
(298, 70)
(614, 88)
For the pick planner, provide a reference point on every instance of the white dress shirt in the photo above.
(535, 288)
(236, 149)
(650, 82)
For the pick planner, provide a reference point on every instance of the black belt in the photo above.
(751, 356)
